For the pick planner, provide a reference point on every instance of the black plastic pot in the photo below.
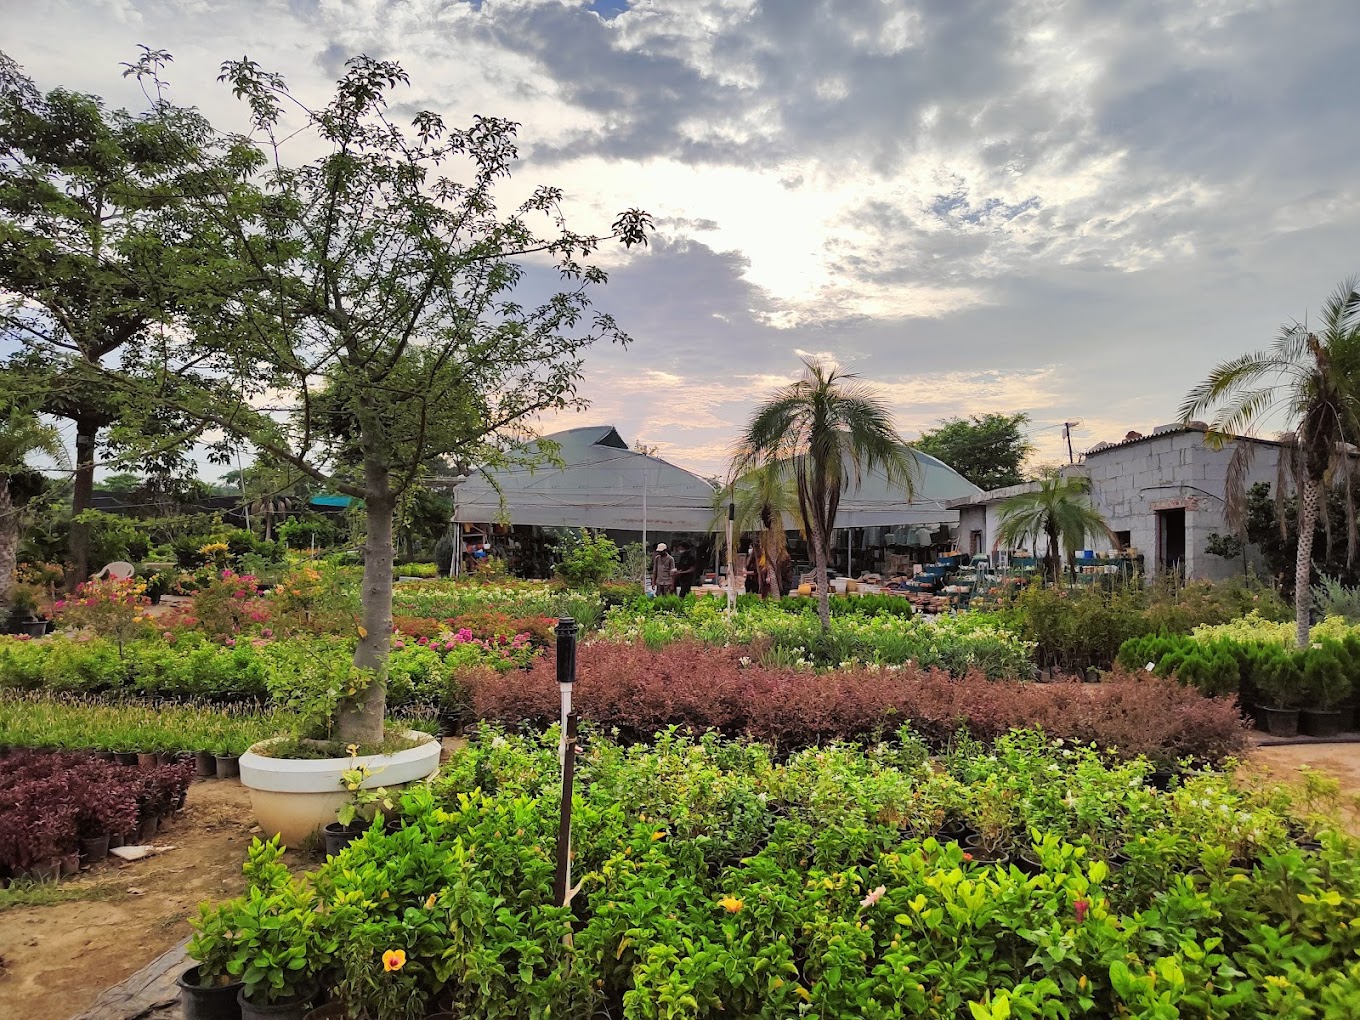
(95, 850)
(147, 829)
(955, 830)
(70, 865)
(1281, 722)
(126, 757)
(1317, 723)
(117, 839)
(228, 766)
(165, 757)
(289, 1009)
(34, 628)
(147, 759)
(1161, 779)
(205, 763)
(338, 837)
(1026, 861)
(207, 1002)
(330, 1011)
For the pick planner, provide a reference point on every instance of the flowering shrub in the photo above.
(690, 685)
(109, 608)
(717, 882)
(228, 605)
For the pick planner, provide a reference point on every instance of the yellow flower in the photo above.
(353, 749)
(429, 903)
(803, 993)
(394, 959)
(658, 835)
(731, 904)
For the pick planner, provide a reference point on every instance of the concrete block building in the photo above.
(1162, 494)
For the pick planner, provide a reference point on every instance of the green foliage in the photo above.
(788, 632)
(1057, 516)
(585, 559)
(716, 881)
(986, 449)
(1332, 598)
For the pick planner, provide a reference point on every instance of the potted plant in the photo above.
(158, 585)
(1279, 682)
(1327, 687)
(362, 804)
(23, 611)
(206, 990)
(994, 820)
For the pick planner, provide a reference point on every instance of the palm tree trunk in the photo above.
(819, 543)
(9, 539)
(1309, 499)
(1053, 560)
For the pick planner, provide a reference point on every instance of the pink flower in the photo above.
(1081, 907)
(448, 645)
(873, 897)
(230, 642)
(398, 644)
(266, 633)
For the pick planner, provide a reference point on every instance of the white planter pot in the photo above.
(296, 797)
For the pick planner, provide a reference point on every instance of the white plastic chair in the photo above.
(118, 570)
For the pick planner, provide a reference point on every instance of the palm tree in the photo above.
(762, 498)
(1313, 378)
(22, 434)
(825, 431)
(1059, 510)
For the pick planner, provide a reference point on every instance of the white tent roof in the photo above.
(875, 503)
(602, 484)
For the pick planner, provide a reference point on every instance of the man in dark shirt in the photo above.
(684, 568)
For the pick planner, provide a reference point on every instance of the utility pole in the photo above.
(1068, 426)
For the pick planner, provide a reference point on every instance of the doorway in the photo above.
(1171, 541)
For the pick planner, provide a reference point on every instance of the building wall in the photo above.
(976, 518)
(1129, 484)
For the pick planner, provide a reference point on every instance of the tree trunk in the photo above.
(361, 718)
(82, 495)
(1303, 562)
(819, 543)
(9, 539)
(1053, 558)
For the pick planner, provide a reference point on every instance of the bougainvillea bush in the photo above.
(50, 801)
(642, 690)
(714, 881)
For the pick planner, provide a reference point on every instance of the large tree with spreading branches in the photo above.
(366, 303)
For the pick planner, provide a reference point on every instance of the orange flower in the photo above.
(394, 959)
(731, 904)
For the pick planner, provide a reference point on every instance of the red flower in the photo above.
(1081, 907)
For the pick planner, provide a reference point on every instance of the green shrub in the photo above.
(586, 559)
(1325, 678)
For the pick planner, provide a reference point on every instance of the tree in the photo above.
(122, 482)
(1313, 378)
(1058, 510)
(825, 431)
(377, 286)
(762, 498)
(22, 434)
(988, 450)
(88, 242)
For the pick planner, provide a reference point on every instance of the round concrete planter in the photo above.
(296, 797)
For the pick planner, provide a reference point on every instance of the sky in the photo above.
(1068, 208)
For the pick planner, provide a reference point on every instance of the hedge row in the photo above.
(691, 685)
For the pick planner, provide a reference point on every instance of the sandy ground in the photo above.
(55, 960)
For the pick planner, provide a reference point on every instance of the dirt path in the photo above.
(1284, 764)
(55, 960)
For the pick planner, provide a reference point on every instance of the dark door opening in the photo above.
(1171, 541)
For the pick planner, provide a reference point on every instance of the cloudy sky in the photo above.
(1071, 208)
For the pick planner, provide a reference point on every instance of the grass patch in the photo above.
(46, 894)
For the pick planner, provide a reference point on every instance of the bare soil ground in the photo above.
(1282, 764)
(56, 959)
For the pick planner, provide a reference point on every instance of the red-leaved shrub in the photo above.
(691, 685)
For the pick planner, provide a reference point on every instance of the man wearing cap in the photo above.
(663, 571)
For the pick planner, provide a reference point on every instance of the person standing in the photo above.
(750, 566)
(663, 571)
(684, 568)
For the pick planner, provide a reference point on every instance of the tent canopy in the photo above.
(875, 503)
(601, 484)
